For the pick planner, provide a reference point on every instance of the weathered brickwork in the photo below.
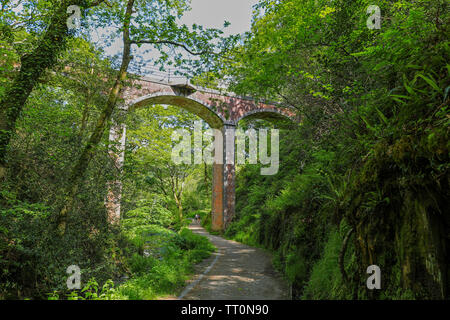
(220, 110)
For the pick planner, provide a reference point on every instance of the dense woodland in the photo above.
(364, 173)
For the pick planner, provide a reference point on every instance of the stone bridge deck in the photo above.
(215, 107)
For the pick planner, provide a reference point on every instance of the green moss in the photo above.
(326, 279)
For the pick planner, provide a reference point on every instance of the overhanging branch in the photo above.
(169, 42)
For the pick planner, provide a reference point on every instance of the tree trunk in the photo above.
(342, 255)
(32, 67)
(85, 116)
(179, 205)
(83, 162)
(180, 211)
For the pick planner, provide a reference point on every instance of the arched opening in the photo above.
(223, 174)
(192, 105)
(213, 174)
(280, 118)
(250, 124)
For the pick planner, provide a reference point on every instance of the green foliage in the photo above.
(166, 265)
(371, 151)
(372, 148)
(159, 270)
(140, 264)
(326, 282)
(148, 212)
(276, 212)
(149, 168)
(192, 241)
(89, 292)
(56, 122)
(34, 259)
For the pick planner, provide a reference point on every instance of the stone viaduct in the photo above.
(220, 110)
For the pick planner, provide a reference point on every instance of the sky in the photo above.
(208, 13)
(213, 13)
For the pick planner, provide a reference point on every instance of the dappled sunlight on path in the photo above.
(240, 272)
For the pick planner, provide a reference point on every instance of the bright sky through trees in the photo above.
(208, 13)
(212, 14)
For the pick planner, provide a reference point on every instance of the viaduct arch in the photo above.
(221, 111)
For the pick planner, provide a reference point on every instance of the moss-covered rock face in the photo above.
(399, 211)
(375, 149)
(396, 205)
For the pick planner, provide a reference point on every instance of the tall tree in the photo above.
(155, 25)
(150, 152)
(32, 67)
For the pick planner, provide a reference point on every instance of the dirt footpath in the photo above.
(238, 272)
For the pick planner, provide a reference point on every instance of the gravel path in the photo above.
(239, 272)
